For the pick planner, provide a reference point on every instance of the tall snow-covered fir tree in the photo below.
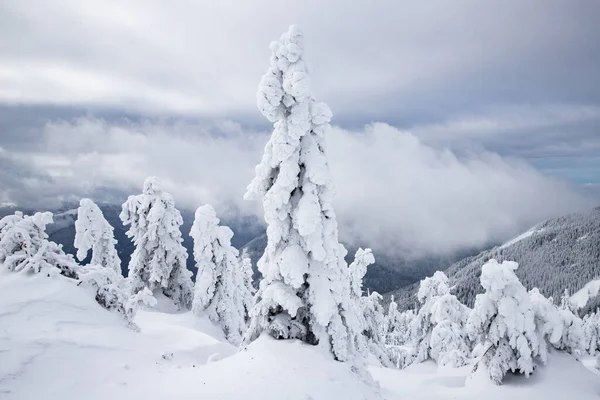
(92, 231)
(158, 261)
(221, 290)
(305, 291)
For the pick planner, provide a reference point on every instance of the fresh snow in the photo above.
(56, 342)
(583, 296)
(522, 236)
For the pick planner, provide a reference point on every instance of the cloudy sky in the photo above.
(456, 123)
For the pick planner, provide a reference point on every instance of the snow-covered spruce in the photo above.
(573, 338)
(159, 259)
(111, 290)
(221, 292)
(24, 246)
(304, 293)
(591, 329)
(437, 331)
(548, 323)
(398, 324)
(369, 308)
(504, 321)
(92, 231)
(246, 266)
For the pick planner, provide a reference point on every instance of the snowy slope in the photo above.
(57, 343)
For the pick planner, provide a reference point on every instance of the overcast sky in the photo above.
(456, 123)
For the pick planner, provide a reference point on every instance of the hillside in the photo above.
(388, 273)
(557, 254)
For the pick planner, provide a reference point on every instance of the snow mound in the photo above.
(56, 342)
(562, 378)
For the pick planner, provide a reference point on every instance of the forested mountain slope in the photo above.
(557, 254)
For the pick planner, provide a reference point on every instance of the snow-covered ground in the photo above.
(522, 236)
(586, 293)
(56, 342)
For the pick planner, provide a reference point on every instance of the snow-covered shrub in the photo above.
(221, 290)
(305, 291)
(111, 290)
(7, 222)
(159, 259)
(24, 246)
(503, 319)
(437, 331)
(591, 329)
(92, 231)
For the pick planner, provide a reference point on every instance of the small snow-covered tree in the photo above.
(159, 259)
(591, 329)
(92, 231)
(437, 331)
(246, 266)
(373, 318)
(398, 324)
(573, 338)
(305, 291)
(111, 290)
(548, 323)
(24, 246)
(221, 290)
(503, 319)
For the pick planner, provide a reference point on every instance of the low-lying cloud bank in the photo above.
(394, 192)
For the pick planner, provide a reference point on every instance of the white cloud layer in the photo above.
(393, 190)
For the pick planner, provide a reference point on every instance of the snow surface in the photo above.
(522, 236)
(56, 342)
(583, 296)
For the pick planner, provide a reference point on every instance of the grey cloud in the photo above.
(379, 60)
(394, 190)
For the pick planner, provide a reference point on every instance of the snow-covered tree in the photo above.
(305, 291)
(503, 320)
(398, 324)
(369, 307)
(7, 222)
(548, 323)
(92, 231)
(221, 290)
(591, 329)
(111, 290)
(375, 327)
(437, 331)
(159, 259)
(24, 246)
(246, 267)
(573, 338)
